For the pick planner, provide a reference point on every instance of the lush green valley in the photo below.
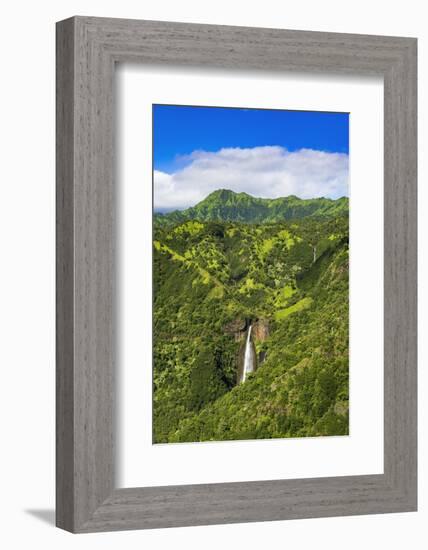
(279, 265)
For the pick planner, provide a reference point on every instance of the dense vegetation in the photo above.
(226, 205)
(218, 269)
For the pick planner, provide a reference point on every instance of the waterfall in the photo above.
(248, 357)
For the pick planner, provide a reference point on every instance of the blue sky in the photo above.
(263, 152)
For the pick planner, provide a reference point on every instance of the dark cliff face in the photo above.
(237, 328)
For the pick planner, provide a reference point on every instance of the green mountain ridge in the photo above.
(227, 206)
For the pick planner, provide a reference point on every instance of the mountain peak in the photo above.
(225, 194)
(220, 194)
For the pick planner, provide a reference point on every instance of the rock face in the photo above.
(261, 329)
(237, 328)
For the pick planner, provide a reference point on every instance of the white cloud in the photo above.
(268, 172)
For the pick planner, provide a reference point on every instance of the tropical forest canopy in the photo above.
(231, 261)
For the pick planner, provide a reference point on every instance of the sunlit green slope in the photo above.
(290, 281)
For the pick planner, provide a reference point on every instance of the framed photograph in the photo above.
(231, 264)
(236, 274)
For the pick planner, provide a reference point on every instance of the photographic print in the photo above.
(250, 274)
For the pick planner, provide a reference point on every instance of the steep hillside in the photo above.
(289, 280)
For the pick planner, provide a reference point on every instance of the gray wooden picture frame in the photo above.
(87, 50)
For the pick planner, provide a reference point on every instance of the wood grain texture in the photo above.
(64, 276)
(87, 49)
